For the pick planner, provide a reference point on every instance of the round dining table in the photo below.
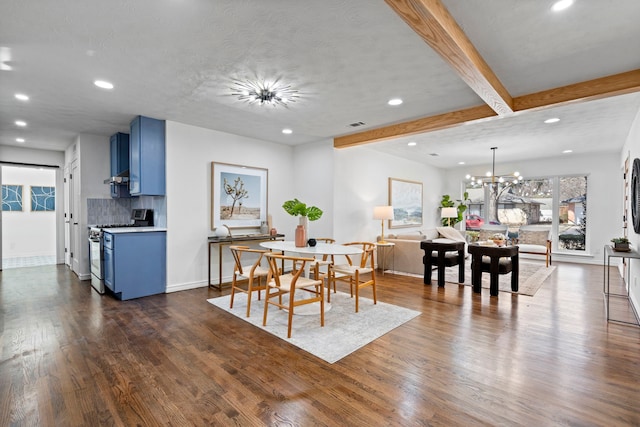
(319, 250)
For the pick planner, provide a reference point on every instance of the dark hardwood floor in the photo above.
(69, 357)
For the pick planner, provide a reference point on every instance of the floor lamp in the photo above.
(449, 213)
(383, 213)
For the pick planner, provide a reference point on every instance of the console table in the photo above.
(233, 240)
(608, 254)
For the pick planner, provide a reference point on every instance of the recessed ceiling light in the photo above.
(21, 123)
(412, 144)
(20, 140)
(22, 97)
(395, 101)
(287, 131)
(461, 163)
(552, 120)
(561, 5)
(567, 151)
(103, 84)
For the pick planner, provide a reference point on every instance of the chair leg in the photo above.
(357, 289)
(290, 317)
(249, 290)
(266, 307)
(233, 290)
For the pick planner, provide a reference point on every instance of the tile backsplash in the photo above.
(108, 211)
(118, 211)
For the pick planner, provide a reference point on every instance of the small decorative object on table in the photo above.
(312, 242)
(499, 239)
(621, 244)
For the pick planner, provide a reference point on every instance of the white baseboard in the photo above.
(186, 286)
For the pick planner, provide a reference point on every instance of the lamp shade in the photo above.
(449, 213)
(383, 212)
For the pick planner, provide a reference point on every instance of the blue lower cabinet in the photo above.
(135, 263)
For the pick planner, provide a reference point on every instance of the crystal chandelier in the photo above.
(264, 92)
(492, 178)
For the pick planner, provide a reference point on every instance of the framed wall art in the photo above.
(11, 197)
(406, 199)
(238, 195)
(43, 199)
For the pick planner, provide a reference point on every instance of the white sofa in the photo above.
(407, 254)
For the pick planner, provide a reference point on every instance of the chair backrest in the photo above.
(487, 230)
(298, 265)
(237, 251)
(325, 240)
(367, 253)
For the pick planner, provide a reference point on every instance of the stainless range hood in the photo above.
(121, 178)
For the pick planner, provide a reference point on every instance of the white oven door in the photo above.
(95, 255)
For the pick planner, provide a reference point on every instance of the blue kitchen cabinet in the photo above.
(135, 263)
(119, 163)
(147, 157)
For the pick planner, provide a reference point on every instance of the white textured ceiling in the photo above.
(175, 59)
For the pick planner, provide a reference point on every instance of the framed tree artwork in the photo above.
(406, 199)
(238, 196)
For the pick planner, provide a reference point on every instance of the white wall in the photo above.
(27, 233)
(604, 207)
(632, 149)
(361, 182)
(190, 151)
(43, 157)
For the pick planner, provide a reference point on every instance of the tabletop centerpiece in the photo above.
(499, 239)
(305, 213)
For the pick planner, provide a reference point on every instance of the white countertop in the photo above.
(119, 230)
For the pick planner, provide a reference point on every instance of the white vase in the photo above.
(303, 221)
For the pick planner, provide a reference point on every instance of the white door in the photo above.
(67, 212)
(74, 218)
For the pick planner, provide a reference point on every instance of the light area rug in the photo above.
(532, 276)
(344, 331)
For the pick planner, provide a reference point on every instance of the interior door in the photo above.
(67, 212)
(74, 218)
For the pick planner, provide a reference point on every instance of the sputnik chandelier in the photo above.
(492, 178)
(264, 92)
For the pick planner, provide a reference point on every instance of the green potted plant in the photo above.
(620, 244)
(296, 208)
(447, 202)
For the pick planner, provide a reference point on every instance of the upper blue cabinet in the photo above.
(147, 157)
(119, 163)
(119, 153)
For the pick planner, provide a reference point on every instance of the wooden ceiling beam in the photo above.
(426, 124)
(431, 20)
(603, 87)
(614, 85)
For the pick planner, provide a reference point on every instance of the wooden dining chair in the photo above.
(251, 273)
(299, 289)
(357, 273)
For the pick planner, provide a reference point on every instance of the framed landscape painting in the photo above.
(238, 195)
(406, 199)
